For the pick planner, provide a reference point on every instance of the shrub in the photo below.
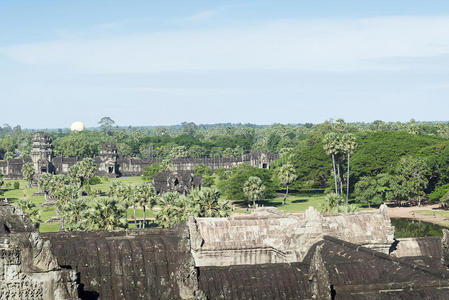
(16, 185)
(105, 179)
(151, 170)
(95, 180)
(438, 193)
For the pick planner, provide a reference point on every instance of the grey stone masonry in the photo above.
(270, 236)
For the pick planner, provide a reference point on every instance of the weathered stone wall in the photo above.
(12, 168)
(428, 246)
(28, 269)
(270, 236)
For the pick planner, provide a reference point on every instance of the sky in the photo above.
(165, 62)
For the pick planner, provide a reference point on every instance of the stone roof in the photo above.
(355, 272)
(267, 281)
(159, 264)
(135, 264)
(282, 237)
(424, 246)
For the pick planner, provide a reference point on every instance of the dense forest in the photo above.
(388, 161)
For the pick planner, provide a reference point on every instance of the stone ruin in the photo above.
(271, 236)
(263, 255)
(28, 269)
(178, 181)
(110, 164)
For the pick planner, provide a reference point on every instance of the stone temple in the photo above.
(110, 164)
(263, 255)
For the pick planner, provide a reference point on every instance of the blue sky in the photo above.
(165, 62)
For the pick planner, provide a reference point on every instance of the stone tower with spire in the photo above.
(42, 154)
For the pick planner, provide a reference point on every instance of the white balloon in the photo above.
(77, 126)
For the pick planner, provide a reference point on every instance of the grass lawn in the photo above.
(430, 212)
(296, 202)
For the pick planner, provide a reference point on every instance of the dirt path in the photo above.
(411, 212)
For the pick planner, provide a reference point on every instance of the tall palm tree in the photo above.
(286, 175)
(349, 145)
(105, 214)
(74, 212)
(330, 145)
(146, 196)
(126, 197)
(254, 189)
(28, 172)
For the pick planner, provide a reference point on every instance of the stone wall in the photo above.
(270, 236)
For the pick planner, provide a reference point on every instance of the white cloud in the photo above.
(337, 45)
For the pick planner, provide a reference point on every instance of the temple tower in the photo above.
(108, 160)
(42, 153)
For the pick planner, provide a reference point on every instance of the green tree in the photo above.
(146, 197)
(209, 202)
(75, 214)
(332, 147)
(28, 172)
(254, 189)
(151, 170)
(411, 179)
(334, 203)
(176, 208)
(124, 193)
(206, 174)
(30, 208)
(76, 145)
(105, 213)
(349, 145)
(286, 175)
(375, 190)
(106, 124)
(231, 182)
(171, 211)
(63, 195)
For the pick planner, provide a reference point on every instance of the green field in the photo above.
(49, 211)
(296, 202)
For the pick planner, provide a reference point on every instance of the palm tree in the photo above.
(74, 212)
(63, 195)
(126, 197)
(254, 189)
(30, 208)
(146, 196)
(167, 216)
(331, 148)
(105, 214)
(286, 175)
(349, 145)
(28, 172)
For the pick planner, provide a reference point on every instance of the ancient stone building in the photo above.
(271, 236)
(42, 154)
(177, 263)
(28, 269)
(178, 181)
(110, 164)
